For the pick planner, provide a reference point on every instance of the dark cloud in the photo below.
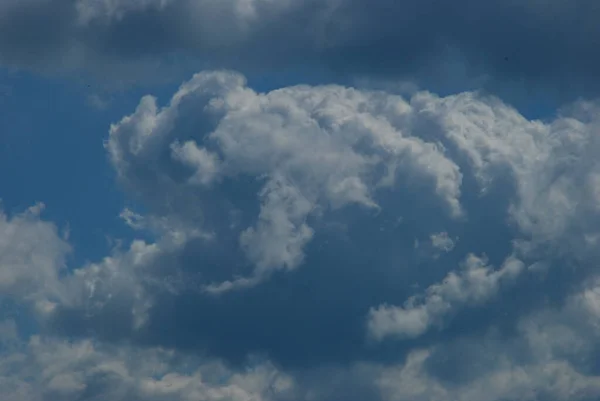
(529, 44)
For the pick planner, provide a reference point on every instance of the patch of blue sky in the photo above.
(52, 152)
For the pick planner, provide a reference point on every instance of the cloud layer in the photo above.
(548, 44)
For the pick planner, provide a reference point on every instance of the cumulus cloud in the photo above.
(540, 162)
(32, 257)
(49, 369)
(275, 223)
(542, 362)
(281, 233)
(269, 191)
(551, 355)
(556, 380)
(33, 269)
(312, 147)
(476, 284)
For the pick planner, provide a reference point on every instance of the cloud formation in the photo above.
(32, 257)
(476, 284)
(267, 190)
(277, 230)
(539, 43)
(49, 369)
(312, 147)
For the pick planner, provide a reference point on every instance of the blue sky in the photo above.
(299, 200)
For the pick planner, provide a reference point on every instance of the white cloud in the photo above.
(317, 148)
(47, 369)
(127, 281)
(550, 165)
(32, 256)
(33, 269)
(474, 285)
(549, 358)
(205, 163)
(281, 232)
(442, 241)
(223, 170)
(555, 380)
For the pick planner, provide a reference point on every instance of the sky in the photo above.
(299, 200)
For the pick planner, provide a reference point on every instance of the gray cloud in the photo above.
(312, 148)
(544, 44)
(267, 208)
(274, 222)
(32, 257)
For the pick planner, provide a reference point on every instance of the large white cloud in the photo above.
(308, 202)
(273, 180)
(32, 257)
(322, 148)
(317, 149)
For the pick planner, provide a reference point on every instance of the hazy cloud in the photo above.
(442, 241)
(49, 369)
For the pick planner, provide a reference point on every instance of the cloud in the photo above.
(310, 146)
(281, 233)
(48, 369)
(411, 38)
(542, 361)
(269, 226)
(442, 241)
(32, 257)
(121, 289)
(554, 380)
(313, 149)
(97, 102)
(550, 355)
(476, 284)
(272, 213)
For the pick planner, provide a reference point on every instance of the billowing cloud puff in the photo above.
(279, 232)
(32, 257)
(539, 42)
(316, 149)
(303, 152)
(474, 286)
(304, 198)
